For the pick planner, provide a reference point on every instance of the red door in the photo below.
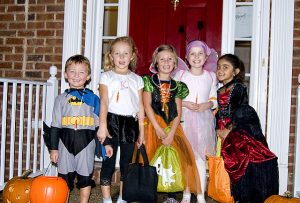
(155, 22)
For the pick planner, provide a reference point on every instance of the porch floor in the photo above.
(96, 196)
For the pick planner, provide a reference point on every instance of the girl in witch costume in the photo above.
(252, 167)
(121, 112)
(162, 102)
(73, 128)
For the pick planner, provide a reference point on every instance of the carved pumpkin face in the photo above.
(49, 189)
(17, 190)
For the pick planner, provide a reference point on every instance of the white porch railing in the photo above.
(24, 107)
(297, 146)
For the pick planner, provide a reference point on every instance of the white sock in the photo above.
(107, 200)
(186, 197)
(201, 166)
(120, 200)
(201, 198)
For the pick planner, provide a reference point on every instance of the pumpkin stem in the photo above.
(26, 173)
(287, 194)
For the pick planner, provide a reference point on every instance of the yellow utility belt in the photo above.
(77, 120)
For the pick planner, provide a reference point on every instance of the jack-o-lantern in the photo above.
(286, 198)
(17, 189)
(49, 189)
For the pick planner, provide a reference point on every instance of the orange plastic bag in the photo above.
(219, 181)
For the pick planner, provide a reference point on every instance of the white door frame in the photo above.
(276, 95)
(259, 50)
(280, 84)
(94, 33)
(72, 34)
(93, 38)
(72, 39)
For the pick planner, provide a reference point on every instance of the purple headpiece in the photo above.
(211, 62)
(197, 43)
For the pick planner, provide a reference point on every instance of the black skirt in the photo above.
(260, 181)
(123, 129)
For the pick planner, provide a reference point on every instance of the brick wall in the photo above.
(31, 33)
(295, 84)
(31, 40)
(84, 25)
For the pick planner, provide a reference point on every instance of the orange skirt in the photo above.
(183, 148)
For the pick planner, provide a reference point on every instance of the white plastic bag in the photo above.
(51, 170)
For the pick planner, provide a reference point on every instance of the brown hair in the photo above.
(79, 59)
(108, 65)
(164, 47)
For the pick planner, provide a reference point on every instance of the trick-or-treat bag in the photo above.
(140, 182)
(219, 181)
(168, 168)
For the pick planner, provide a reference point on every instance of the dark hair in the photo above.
(79, 59)
(236, 63)
(108, 64)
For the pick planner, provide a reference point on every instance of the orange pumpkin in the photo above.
(49, 189)
(286, 198)
(17, 189)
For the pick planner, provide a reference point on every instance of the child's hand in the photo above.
(167, 141)
(204, 106)
(161, 134)
(109, 151)
(223, 133)
(102, 134)
(141, 140)
(54, 156)
(192, 106)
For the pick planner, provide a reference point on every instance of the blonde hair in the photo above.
(108, 64)
(164, 47)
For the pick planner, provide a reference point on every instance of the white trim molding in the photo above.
(259, 59)
(228, 26)
(94, 34)
(123, 17)
(280, 84)
(93, 39)
(72, 34)
(259, 49)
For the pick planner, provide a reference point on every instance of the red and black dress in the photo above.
(252, 167)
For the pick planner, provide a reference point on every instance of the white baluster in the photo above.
(52, 92)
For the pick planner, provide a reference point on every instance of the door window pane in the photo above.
(244, 1)
(111, 1)
(110, 21)
(243, 51)
(105, 48)
(243, 21)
